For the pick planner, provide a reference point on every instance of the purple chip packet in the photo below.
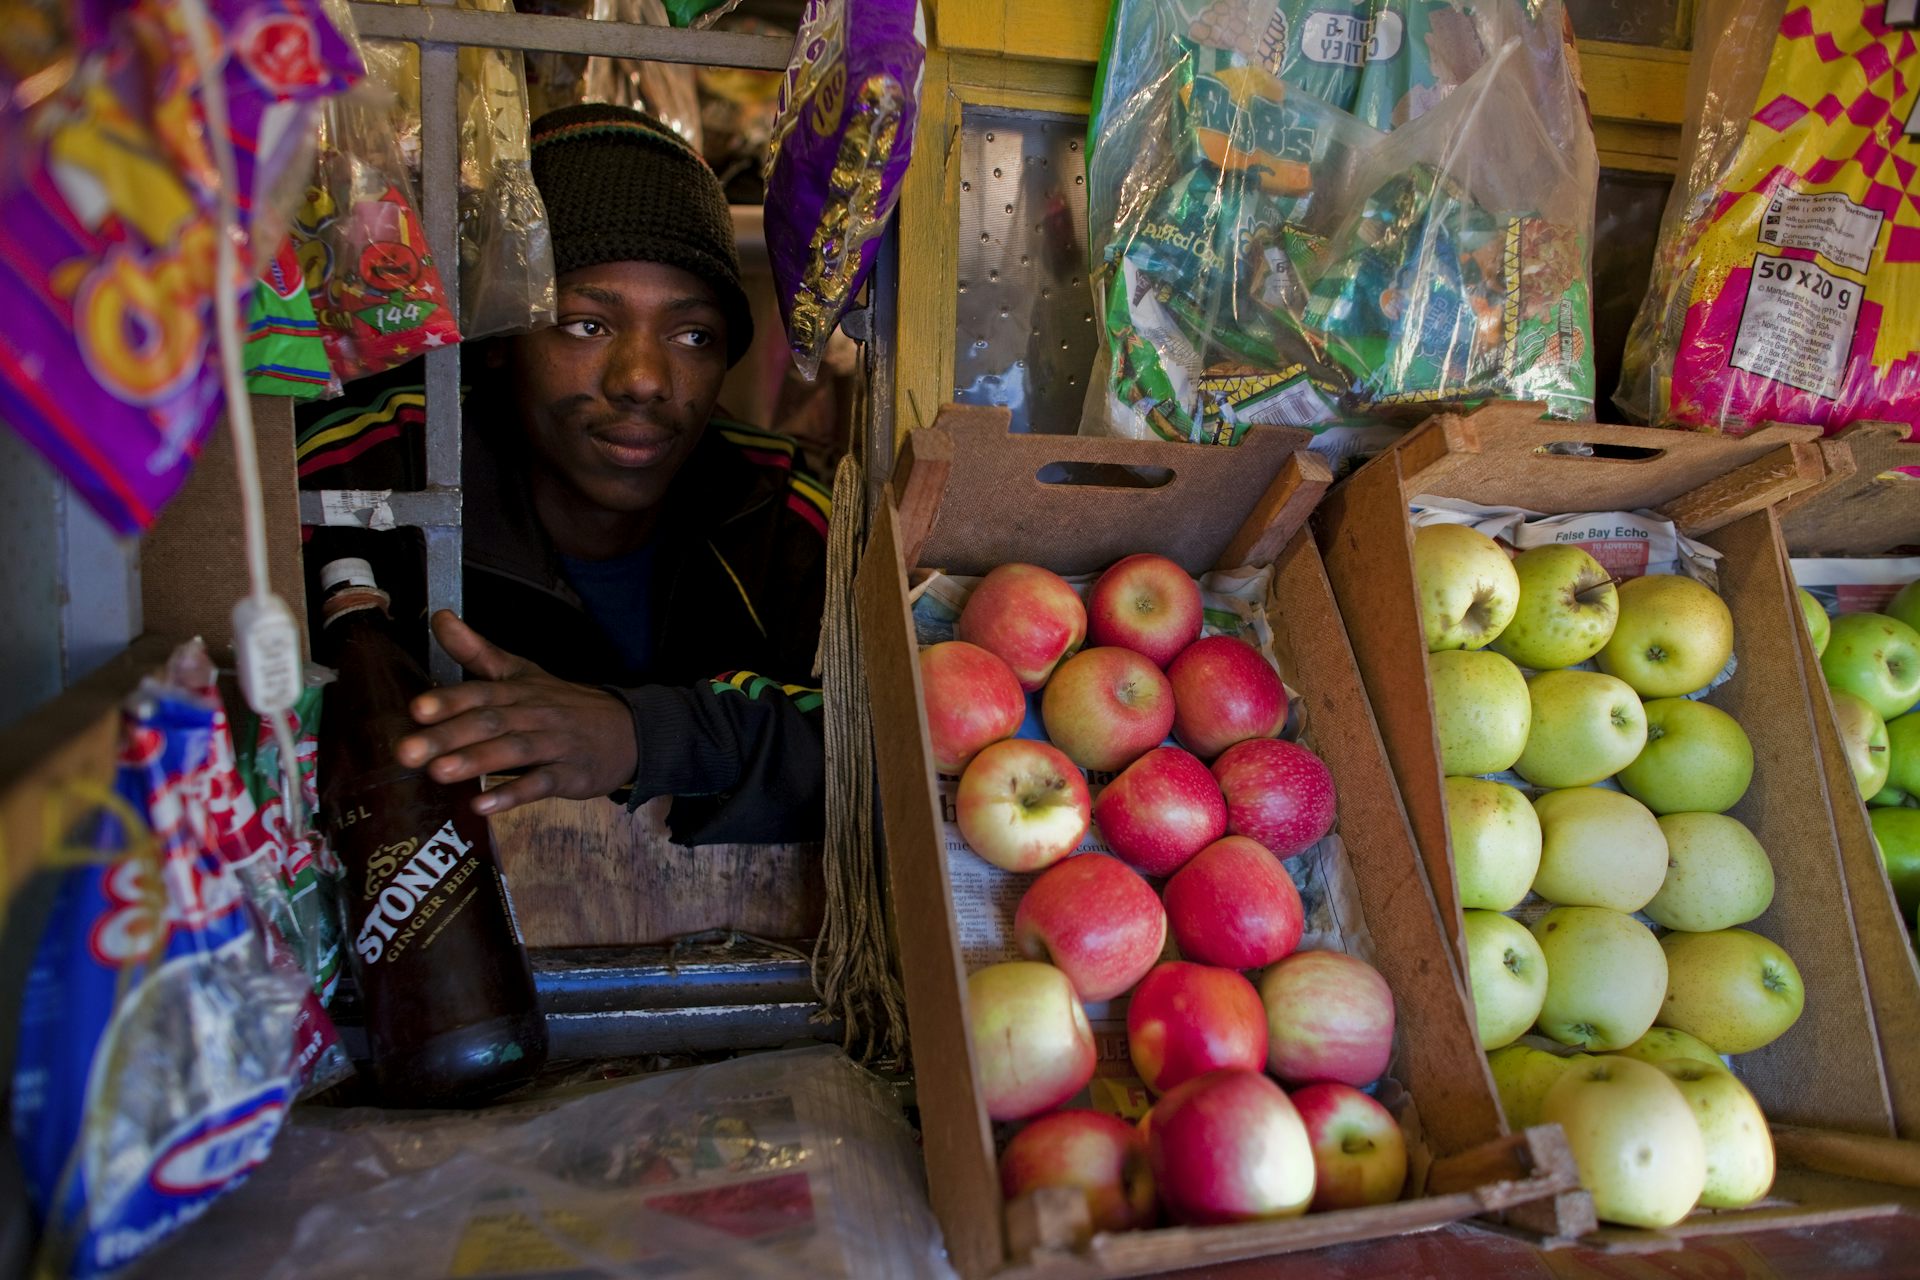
(108, 191)
(840, 147)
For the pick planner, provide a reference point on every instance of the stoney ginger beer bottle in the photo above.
(448, 993)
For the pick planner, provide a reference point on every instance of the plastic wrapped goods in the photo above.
(840, 146)
(1310, 217)
(1786, 287)
(108, 205)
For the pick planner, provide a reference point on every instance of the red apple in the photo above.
(1224, 692)
(1161, 811)
(1329, 1017)
(1229, 1147)
(1026, 616)
(1278, 793)
(1234, 906)
(1359, 1153)
(1099, 1154)
(1032, 1043)
(1186, 1019)
(973, 701)
(1145, 603)
(1097, 920)
(1022, 805)
(1107, 707)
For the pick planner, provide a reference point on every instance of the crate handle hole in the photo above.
(1605, 452)
(1104, 475)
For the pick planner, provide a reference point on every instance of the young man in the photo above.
(644, 581)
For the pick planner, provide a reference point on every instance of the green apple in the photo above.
(1864, 737)
(1480, 711)
(1903, 753)
(1634, 1137)
(1507, 973)
(1717, 874)
(1875, 658)
(1819, 625)
(1522, 1075)
(1567, 609)
(1897, 832)
(1496, 842)
(1598, 848)
(1605, 977)
(1905, 605)
(1732, 988)
(1468, 589)
(1697, 759)
(1890, 798)
(1673, 637)
(1663, 1043)
(1732, 1129)
(1585, 727)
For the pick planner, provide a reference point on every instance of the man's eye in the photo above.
(583, 328)
(696, 338)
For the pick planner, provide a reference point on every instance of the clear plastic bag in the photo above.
(1786, 286)
(782, 1164)
(1307, 218)
(506, 250)
(667, 91)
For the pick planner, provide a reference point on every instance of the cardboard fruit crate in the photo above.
(968, 496)
(1824, 1074)
(1863, 510)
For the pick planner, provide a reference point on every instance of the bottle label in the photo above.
(411, 891)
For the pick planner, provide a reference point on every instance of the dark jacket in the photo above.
(725, 716)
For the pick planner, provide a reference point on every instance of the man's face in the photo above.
(614, 397)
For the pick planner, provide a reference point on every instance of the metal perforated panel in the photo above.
(1026, 330)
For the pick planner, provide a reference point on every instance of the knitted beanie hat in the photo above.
(622, 187)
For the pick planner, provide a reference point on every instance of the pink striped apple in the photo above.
(1028, 617)
(1164, 808)
(1278, 793)
(1145, 603)
(1229, 1147)
(1095, 918)
(1329, 1017)
(1224, 691)
(1234, 906)
(1187, 1019)
(1359, 1153)
(973, 701)
(1107, 707)
(1098, 1154)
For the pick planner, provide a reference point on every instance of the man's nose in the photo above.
(638, 369)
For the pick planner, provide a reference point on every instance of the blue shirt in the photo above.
(618, 595)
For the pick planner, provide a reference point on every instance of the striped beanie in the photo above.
(620, 186)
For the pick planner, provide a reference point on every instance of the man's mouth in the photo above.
(635, 448)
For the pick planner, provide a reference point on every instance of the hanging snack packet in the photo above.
(108, 199)
(1786, 286)
(157, 1034)
(285, 354)
(840, 146)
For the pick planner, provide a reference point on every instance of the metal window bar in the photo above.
(441, 30)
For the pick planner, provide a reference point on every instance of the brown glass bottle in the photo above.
(448, 993)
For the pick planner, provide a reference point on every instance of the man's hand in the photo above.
(564, 739)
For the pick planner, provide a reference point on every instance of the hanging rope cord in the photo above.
(852, 967)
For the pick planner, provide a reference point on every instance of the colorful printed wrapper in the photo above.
(285, 353)
(107, 236)
(841, 142)
(158, 1029)
(1787, 282)
(1318, 215)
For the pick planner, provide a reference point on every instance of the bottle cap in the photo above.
(349, 571)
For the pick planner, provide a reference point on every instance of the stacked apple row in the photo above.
(1872, 665)
(1223, 1142)
(1651, 1142)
